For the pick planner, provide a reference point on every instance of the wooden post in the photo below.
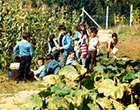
(131, 8)
(62, 12)
(91, 18)
(107, 8)
(83, 14)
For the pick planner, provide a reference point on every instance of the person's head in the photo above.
(26, 36)
(82, 26)
(62, 29)
(52, 37)
(78, 28)
(16, 59)
(40, 61)
(93, 31)
(114, 36)
(72, 54)
(49, 58)
(69, 32)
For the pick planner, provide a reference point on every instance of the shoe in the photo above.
(17, 81)
(24, 80)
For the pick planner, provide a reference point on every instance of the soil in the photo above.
(129, 47)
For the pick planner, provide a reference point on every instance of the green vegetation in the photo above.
(114, 84)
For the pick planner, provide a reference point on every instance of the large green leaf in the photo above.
(137, 75)
(69, 72)
(93, 106)
(108, 88)
(61, 89)
(34, 102)
(105, 103)
(54, 100)
(99, 69)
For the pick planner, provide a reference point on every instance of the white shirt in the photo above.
(93, 43)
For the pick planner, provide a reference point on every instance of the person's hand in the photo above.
(60, 48)
(55, 39)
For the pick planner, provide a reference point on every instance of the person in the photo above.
(53, 48)
(83, 45)
(90, 35)
(71, 60)
(76, 39)
(92, 49)
(53, 65)
(13, 68)
(69, 32)
(26, 54)
(83, 27)
(111, 45)
(65, 45)
(42, 71)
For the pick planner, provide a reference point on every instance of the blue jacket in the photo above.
(25, 49)
(41, 71)
(66, 42)
(53, 67)
(71, 62)
(75, 38)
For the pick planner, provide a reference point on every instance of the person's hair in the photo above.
(52, 37)
(71, 51)
(84, 32)
(114, 35)
(78, 28)
(94, 29)
(83, 25)
(41, 58)
(49, 57)
(69, 31)
(26, 35)
(16, 59)
(61, 27)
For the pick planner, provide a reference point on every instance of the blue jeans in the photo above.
(77, 54)
(84, 61)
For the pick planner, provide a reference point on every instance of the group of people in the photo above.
(82, 47)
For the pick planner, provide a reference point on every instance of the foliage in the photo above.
(98, 91)
(19, 16)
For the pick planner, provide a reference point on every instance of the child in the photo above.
(111, 45)
(69, 32)
(65, 45)
(83, 45)
(53, 48)
(76, 39)
(92, 49)
(13, 69)
(26, 54)
(71, 58)
(53, 66)
(42, 71)
(90, 35)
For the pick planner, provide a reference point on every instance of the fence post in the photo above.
(131, 8)
(83, 14)
(107, 8)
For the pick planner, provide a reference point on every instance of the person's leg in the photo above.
(84, 61)
(88, 58)
(63, 58)
(93, 58)
(26, 67)
(55, 54)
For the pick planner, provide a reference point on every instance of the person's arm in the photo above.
(49, 48)
(43, 73)
(76, 36)
(37, 72)
(16, 48)
(31, 51)
(69, 43)
(56, 44)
